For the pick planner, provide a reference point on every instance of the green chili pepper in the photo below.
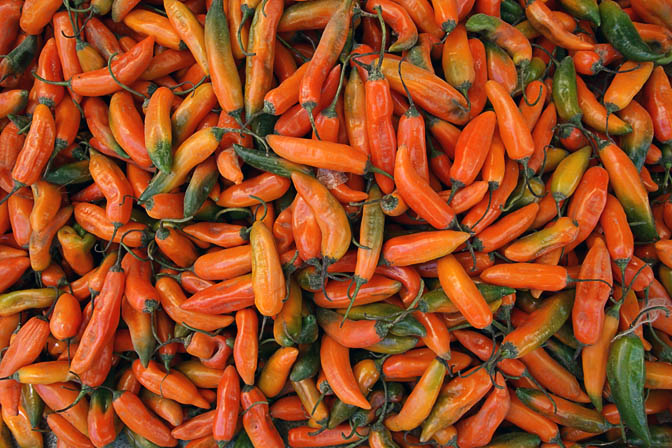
(583, 10)
(625, 374)
(309, 329)
(515, 440)
(72, 173)
(200, 185)
(511, 11)
(307, 365)
(269, 162)
(20, 57)
(534, 70)
(32, 403)
(622, 34)
(564, 92)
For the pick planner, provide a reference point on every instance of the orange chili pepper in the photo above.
(335, 360)
(134, 414)
(513, 130)
(246, 345)
(418, 194)
(257, 420)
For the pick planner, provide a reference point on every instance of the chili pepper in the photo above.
(418, 194)
(419, 403)
(541, 325)
(276, 371)
(625, 373)
(11, 12)
(399, 20)
(257, 421)
(66, 432)
(66, 318)
(452, 404)
(21, 429)
(628, 188)
(135, 415)
(335, 360)
(468, 299)
(158, 133)
(559, 234)
(479, 428)
(245, 344)
(103, 322)
(553, 376)
(189, 29)
(202, 182)
(457, 61)
(126, 69)
(446, 15)
(563, 411)
(634, 76)
(621, 33)
(514, 132)
(61, 395)
(32, 404)
(173, 385)
(101, 418)
(18, 60)
(544, 21)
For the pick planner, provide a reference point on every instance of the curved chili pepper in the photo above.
(126, 68)
(419, 403)
(633, 75)
(335, 360)
(455, 398)
(543, 20)
(418, 194)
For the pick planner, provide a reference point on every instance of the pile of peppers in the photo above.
(321, 223)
